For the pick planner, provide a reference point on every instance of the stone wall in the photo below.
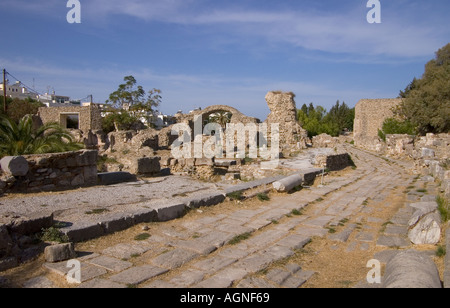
(89, 117)
(369, 117)
(333, 162)
(49, 172)
(283, 111)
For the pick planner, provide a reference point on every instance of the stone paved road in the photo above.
(237, 249)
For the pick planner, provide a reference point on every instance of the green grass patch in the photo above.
(263, 197)
(422, 190)
(237, 195)
(141, 237)
(443, 207)
(53, 234)
(441, 251)
(239, 238)
(331, 230)
(296, 212)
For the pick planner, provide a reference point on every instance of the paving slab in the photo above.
(175, 258)
(297, 280)
(197, 245)
(137, 275)
(98, 283)
(255, 283)
(188, 278)
(110, 264)
(294, 241)
(40, 282)
(393, 241)
(214, 264)
(125, 250)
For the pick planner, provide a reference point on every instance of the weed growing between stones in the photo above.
(239, 238)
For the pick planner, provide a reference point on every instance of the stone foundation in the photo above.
(49, 172)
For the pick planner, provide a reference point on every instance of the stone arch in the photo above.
(236, 115)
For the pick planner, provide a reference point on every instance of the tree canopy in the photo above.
(134, 97)
(316, 120)
(22, 139)
(427, 100)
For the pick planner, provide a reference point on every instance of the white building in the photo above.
(17, 90)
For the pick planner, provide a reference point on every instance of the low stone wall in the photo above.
(49, 172)
(334, 162)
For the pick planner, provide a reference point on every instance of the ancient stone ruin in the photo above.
(369, 117)
(283, 111)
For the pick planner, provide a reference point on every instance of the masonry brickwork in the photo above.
(89, 117)
(369, 117)
(283, 111)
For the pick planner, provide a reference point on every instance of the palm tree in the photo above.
(221, 117)
(22, 139)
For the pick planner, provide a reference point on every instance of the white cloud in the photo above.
(337, 32)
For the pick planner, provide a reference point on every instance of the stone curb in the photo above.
(83, 231)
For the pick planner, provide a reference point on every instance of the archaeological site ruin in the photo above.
(228, 221)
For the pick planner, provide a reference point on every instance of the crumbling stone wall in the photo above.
(369, 117)
(283, 111)
(89, 117)
(47, 172)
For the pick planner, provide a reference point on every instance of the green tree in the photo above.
(316, 120)
(396, 126)
(427, 100)
(22, 139)
(135, 97)
(119, 120)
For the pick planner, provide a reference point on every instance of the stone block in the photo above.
(427, 153)
(146, 165)
(111, 178)
(87, 158)
(117, 222)
(83, 231)
(60, 252)
(90, 175)
(208, 200)
(204, 162)
(170, 212)
(8, 263)
(427, 230)
(31, 224)
(6, 242)
(15, 165)
(77, 180)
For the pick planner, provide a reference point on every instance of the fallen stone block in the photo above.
(15, 165)
(111, 178)
(411, 269)
(427, 230)
(287, 184)
(60, 252)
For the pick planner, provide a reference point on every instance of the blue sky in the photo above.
(204, 52)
